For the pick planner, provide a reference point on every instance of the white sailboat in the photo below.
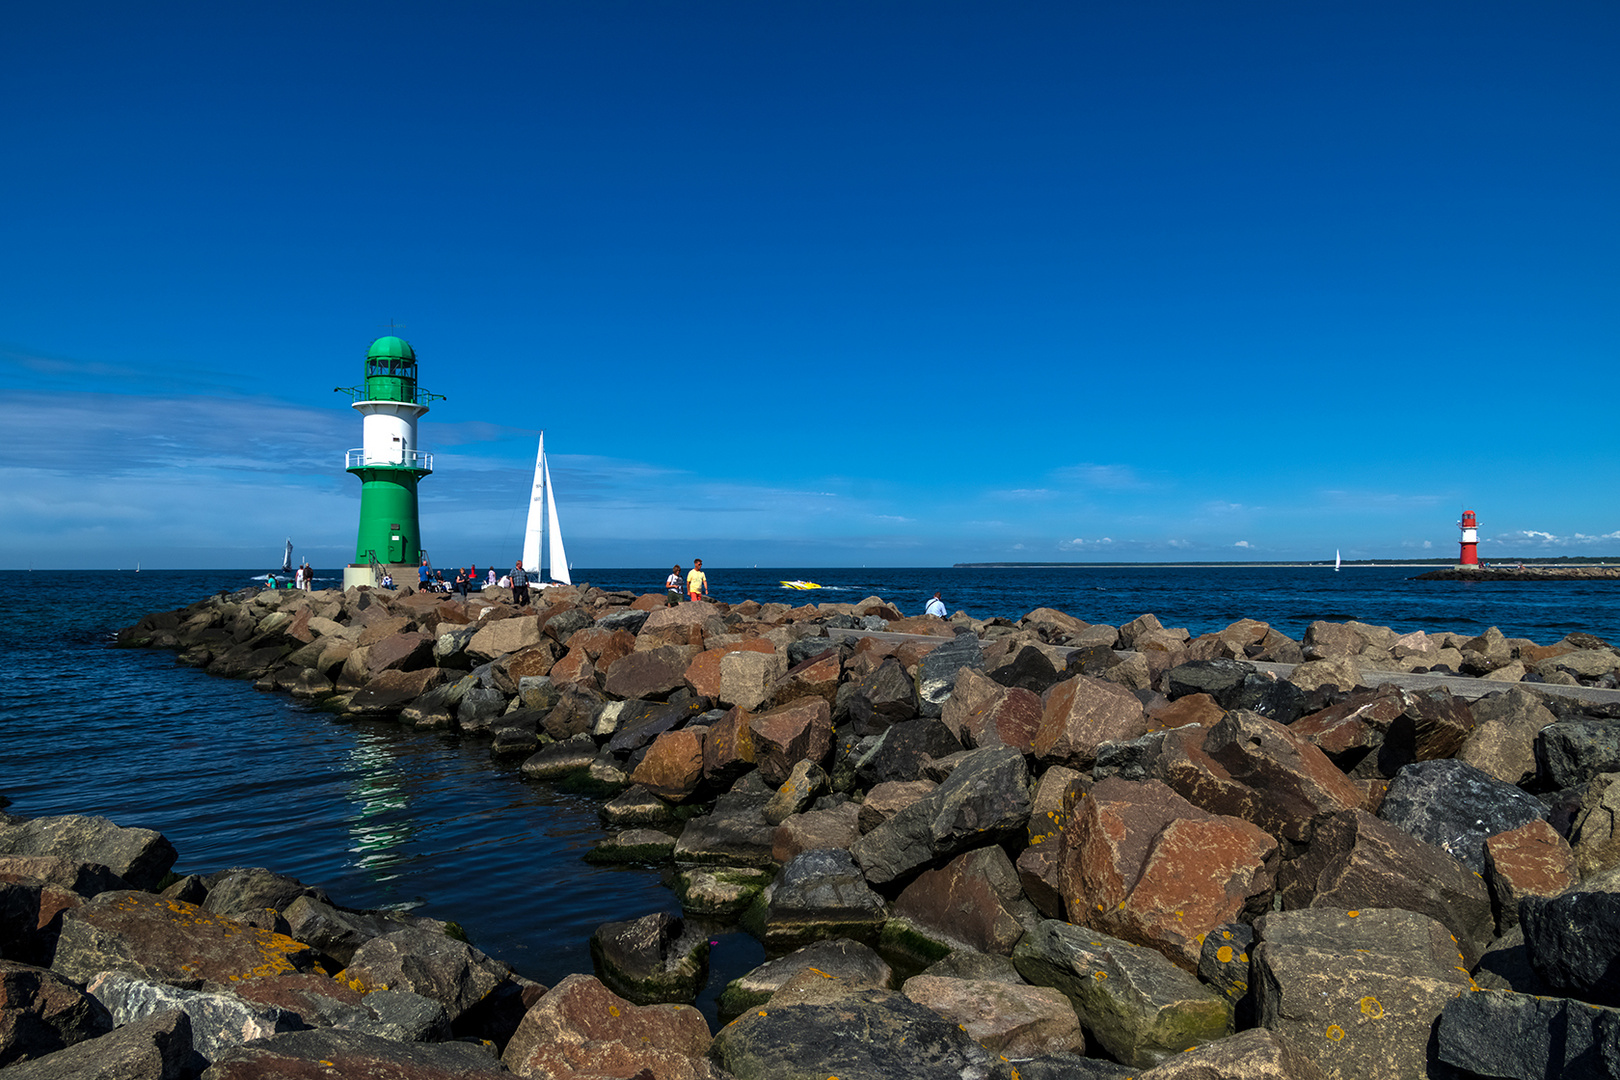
(1335, 559)
(543, 520)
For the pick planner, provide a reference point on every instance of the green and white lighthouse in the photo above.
(388, 463)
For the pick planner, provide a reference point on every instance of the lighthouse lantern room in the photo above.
(1470, 540)
(388, 462)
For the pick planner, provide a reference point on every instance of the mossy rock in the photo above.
(633, 846)
(719, 890)
(910, 946)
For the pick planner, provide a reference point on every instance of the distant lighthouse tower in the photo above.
(388, 464)
(1470, 540)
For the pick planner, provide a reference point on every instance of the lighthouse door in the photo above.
(396, 545)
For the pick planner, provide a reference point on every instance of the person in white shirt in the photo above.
(936, 606)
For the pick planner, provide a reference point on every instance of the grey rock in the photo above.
(218, 1021)
(822, 894)
(156, 1048)
(1456, 807)
(852, 963)
(1574, 943)
(1571, 752)
(478, 706)
(1524, 1037)
(339, 932)
(903, 749)
(243, 890)
(734, 833)
(353, 1055)
(936, 675)
(1224, 960)
(1140, 1007)
(41, 1013)
(986, 799)
(628, 619)
(651, 960)
(1221, 679)
(139, 856)
(881, 1036)
(448, 971)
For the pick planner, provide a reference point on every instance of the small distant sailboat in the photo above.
(543, 521)
(286, 571)
(1335, 560)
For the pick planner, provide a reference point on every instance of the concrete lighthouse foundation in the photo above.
(389, 465)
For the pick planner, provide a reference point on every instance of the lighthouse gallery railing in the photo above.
(412, 459)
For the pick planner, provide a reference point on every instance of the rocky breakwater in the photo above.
(1032, 848)
(1522, 573)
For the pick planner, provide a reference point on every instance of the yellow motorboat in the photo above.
(800, 585)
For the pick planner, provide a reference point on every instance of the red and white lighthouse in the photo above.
(1470, 540)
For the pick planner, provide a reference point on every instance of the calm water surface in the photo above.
(384, 817)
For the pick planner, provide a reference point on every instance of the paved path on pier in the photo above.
(1460, 685)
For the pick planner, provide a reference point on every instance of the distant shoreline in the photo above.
(1414, 564)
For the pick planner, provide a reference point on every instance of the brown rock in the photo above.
(838, 827)
(1348, 731)
(1011, 718)
(673, 765)
(1340, 671)
(1259, 770)
(1433, 726)
(575, 669)
(747, 677)
(889, 798)
(801, 731)
(503, 636)
(816, 677)
(532, 661)
(602, 645)
(1333, 640)
(580, 1028)
(1083, 712)
(1199, 709)
(975, 901)
(1532, 860)
(1595, 835)
(971, 690)
(1256, 1054)
(170, 941)
(1143, 864)
(1012, 1020)
(728, 747)
(652, 675)
(390, 691)
(1502, 743)
(373, 632)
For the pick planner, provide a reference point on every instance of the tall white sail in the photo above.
(537, 511)
(559, 558)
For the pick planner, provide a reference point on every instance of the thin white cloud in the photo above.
(1101, 477)
(1243, 544)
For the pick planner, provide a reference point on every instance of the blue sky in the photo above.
(815, 284)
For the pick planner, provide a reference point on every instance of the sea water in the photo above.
(382, 816)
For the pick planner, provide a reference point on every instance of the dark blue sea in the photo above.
(384, 817)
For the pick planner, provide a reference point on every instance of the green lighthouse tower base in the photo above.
(388, 464)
